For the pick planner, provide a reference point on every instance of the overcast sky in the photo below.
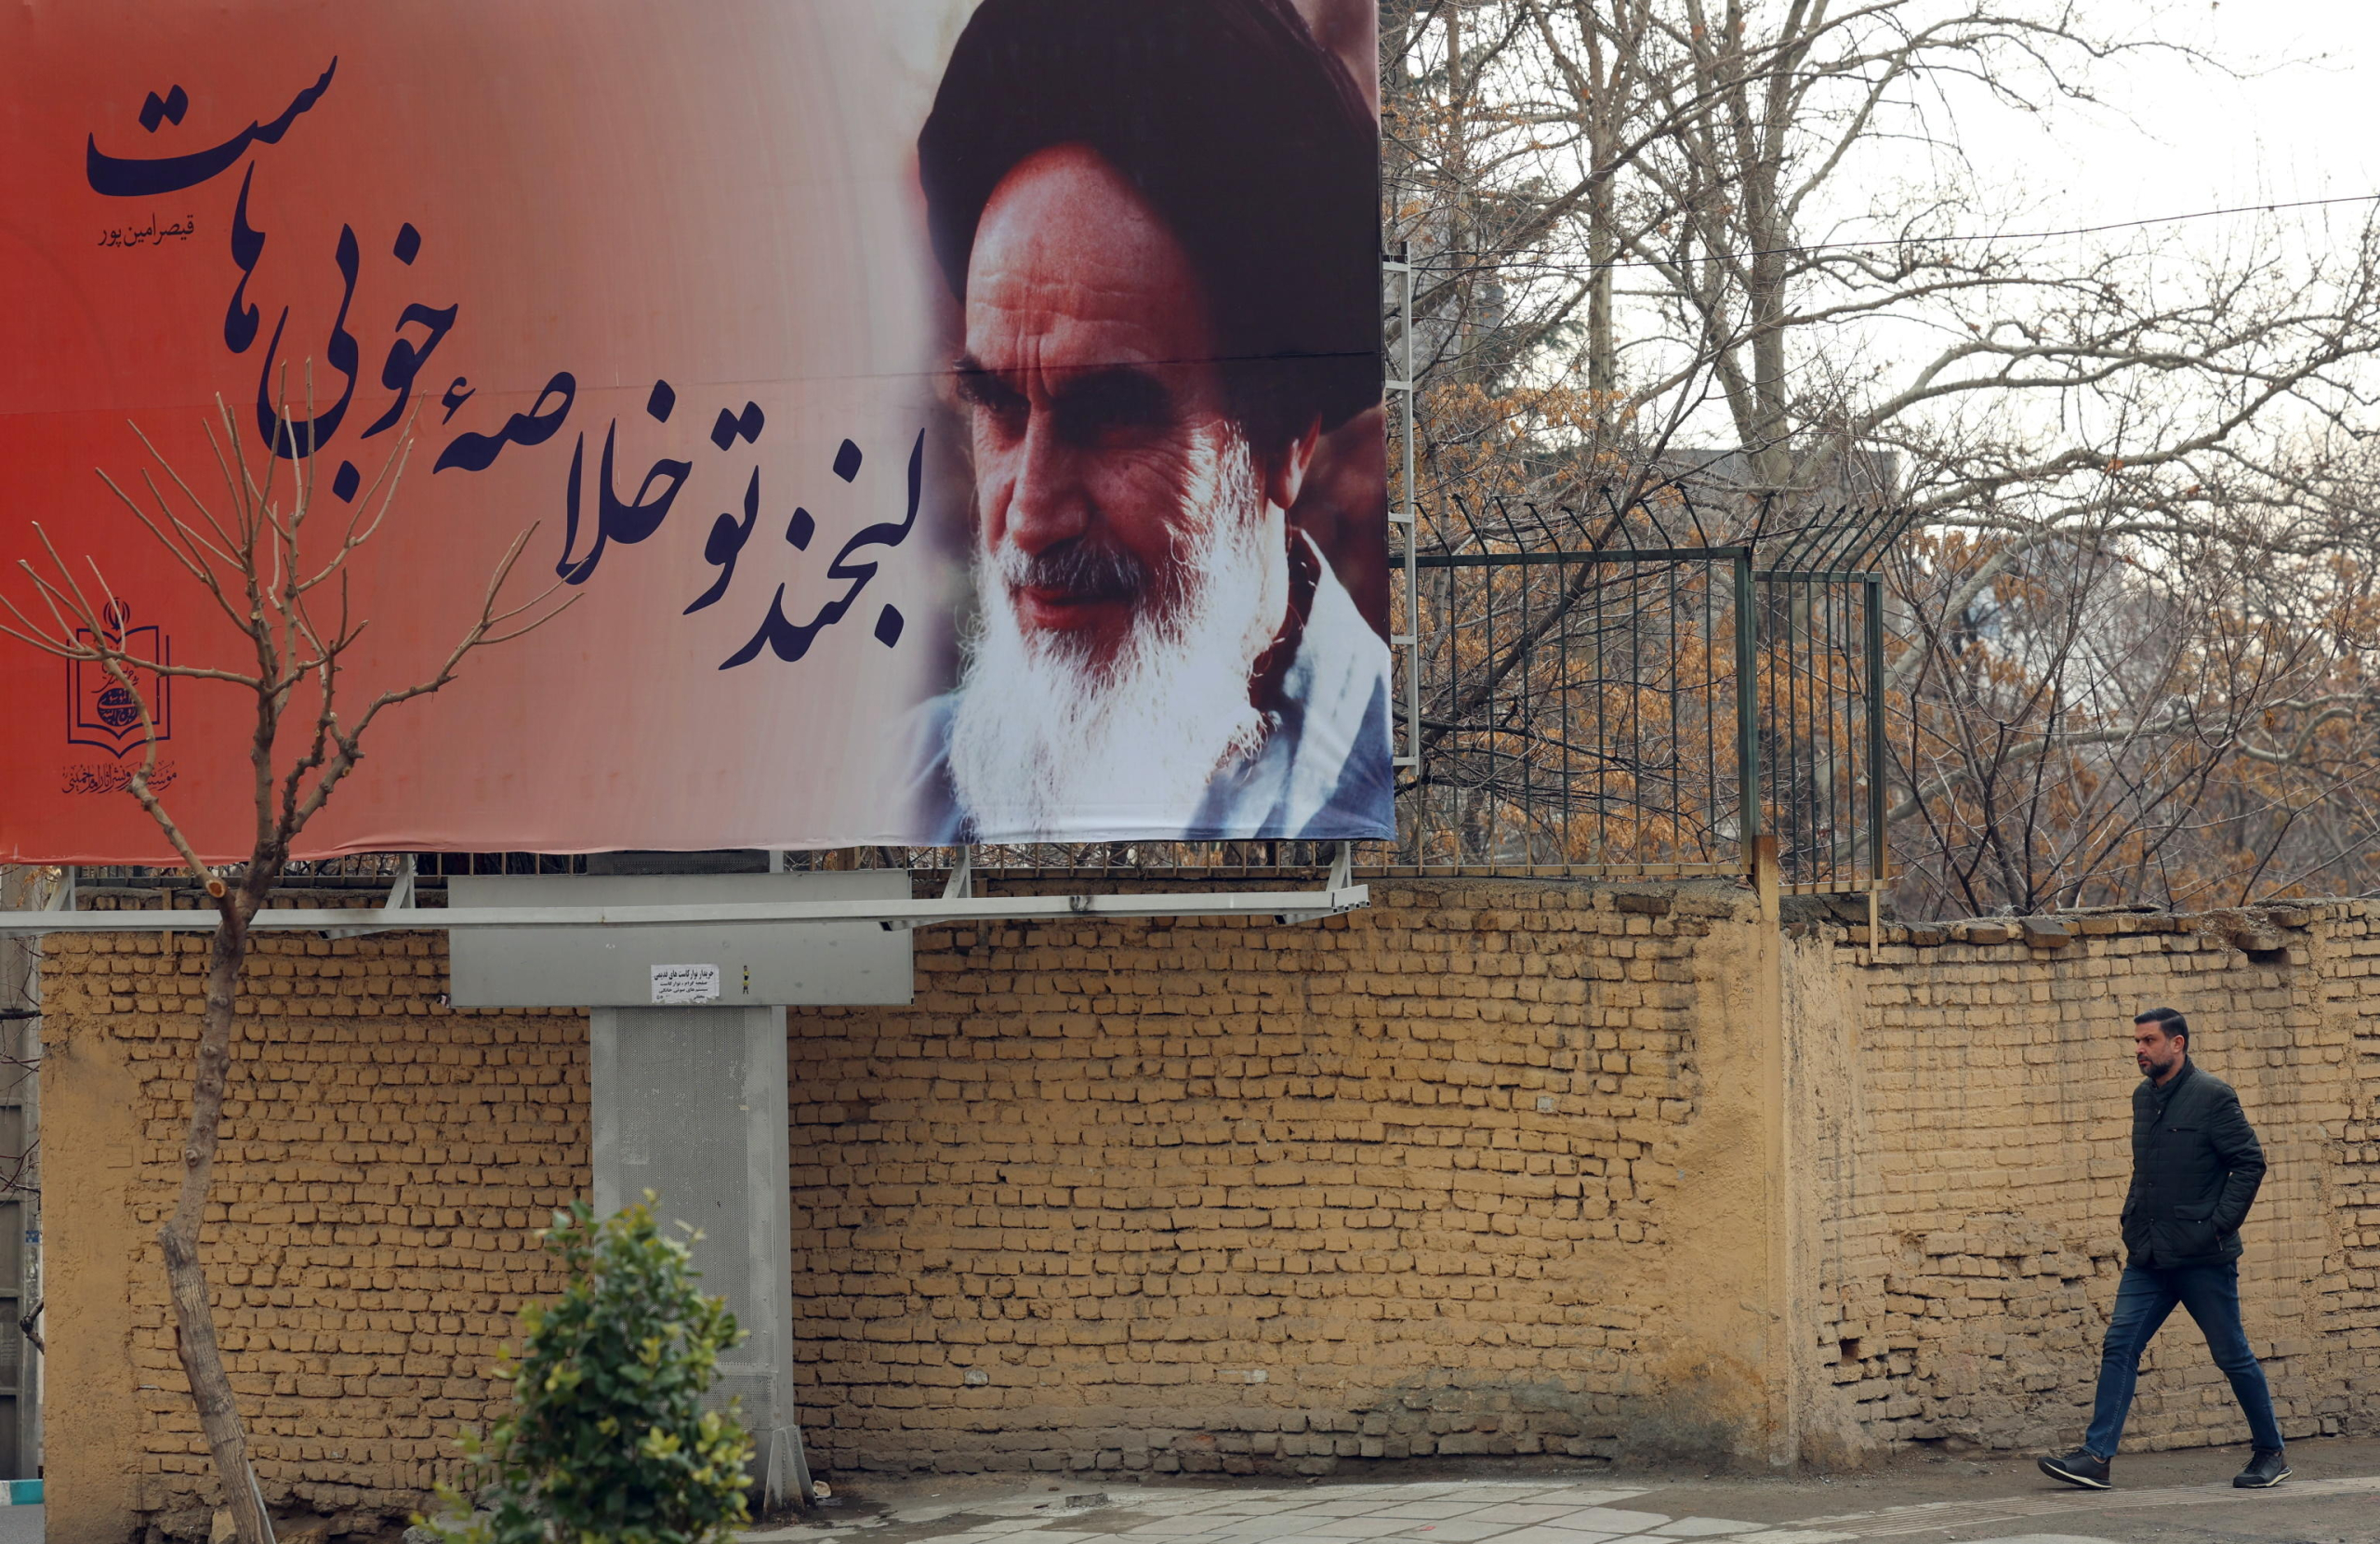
(2197, 139)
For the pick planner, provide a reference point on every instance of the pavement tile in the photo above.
(1355, 1527)
(1577, 1509)
(1514, 1490)
(1341, 1493)
(1419, 1489)
(1172, 1527)
(1513, 1513)
(1223, 1527)
(1257, 1530)
(1610, 1520)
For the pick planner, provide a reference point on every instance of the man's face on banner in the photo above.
(1110, 472)
(1132, 556)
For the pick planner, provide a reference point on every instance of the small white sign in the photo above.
(685, 984)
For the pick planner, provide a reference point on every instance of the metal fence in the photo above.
(1582, 711)
(1820, 706)
(1592, 693)
(1609, 692)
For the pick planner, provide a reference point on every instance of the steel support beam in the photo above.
(1407, 512)
(1288, 905)
(1749, 828)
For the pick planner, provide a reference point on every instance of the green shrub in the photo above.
(607, 1439)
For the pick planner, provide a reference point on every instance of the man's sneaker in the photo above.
(2265, 1470)
(2086, 1469)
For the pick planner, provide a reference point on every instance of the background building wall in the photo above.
(1489, 1168)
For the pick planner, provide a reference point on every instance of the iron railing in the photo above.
(1583, 712)
(1821, 702)
(1610, 692)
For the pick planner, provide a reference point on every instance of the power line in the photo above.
(1933, 241)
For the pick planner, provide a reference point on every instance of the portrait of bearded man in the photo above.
(1160, 222)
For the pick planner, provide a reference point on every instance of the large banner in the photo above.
(952, 421)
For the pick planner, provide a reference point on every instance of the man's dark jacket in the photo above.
(2195, 1170)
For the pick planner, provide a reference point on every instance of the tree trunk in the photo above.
(1602, 344)
(201, 1359)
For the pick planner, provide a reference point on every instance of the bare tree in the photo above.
(2187, 724)
(281, 579)
(1741, 246)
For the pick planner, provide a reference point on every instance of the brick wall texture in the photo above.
(1966, 1105)
(1453, 1175)
(1222, 1197)
(384, 1161)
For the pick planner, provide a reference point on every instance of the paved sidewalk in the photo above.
(2335, 1500)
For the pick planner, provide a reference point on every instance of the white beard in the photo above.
(1045, 742)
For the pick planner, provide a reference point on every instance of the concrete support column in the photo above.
(691, 1104)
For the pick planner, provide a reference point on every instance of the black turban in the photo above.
(1248, 137)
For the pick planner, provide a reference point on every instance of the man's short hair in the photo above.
(2175, 1026)
(1253, 142)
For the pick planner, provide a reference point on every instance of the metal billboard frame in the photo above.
(958, 904)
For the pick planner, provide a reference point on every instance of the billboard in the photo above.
(954, 421)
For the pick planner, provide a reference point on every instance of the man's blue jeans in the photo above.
(2143, 1300)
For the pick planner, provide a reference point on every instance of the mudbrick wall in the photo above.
(384, 1162)
(1963, 1144)
(1488, 1169)
(1440, 1178)
(1212, 1195)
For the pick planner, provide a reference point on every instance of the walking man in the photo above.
(2195, 1170)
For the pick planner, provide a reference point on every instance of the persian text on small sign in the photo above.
(685, 984)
